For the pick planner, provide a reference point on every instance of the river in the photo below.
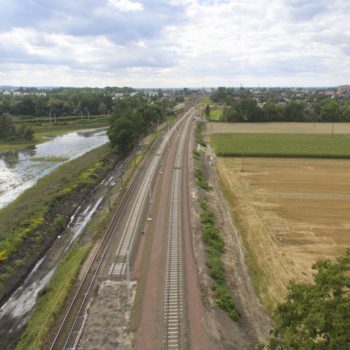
(20, 170)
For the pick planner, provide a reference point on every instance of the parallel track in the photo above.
(66, 337)
(84, 289)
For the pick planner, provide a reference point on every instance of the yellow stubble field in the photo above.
(290, 213)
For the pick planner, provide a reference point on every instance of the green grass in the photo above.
(216, 113)
(281, 145)
(215, 247)
(198, 134)
(52, 298)
(52, 159)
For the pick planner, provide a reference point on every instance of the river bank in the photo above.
(44, 133)
(31, 223)
(20, 170)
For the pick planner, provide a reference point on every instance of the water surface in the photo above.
(20, 170)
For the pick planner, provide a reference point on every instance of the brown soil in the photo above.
(291, 212)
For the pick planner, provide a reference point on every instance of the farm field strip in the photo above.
(279, 128)
(281, 145)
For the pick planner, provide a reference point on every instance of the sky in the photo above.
(174, 43)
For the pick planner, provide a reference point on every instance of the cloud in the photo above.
(126, 5)
(175, 42)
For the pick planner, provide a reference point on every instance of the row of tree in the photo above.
(134, 117)
(247, 110)
(60, 102)
(242, 106)
(10, 132)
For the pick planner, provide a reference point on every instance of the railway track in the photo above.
(74, 315)
(72, 324)
(173, 296)
(126, 247)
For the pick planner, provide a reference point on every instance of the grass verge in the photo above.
(214, 244)
(52, 298)
(281, 145)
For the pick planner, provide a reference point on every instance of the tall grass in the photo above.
(52, 298)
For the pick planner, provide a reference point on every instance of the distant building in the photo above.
(343, 90)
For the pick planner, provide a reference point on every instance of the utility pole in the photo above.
(332, 129)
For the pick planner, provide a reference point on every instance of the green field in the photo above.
(281, 145)
(216, 113)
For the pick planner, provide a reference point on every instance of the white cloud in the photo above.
(126, 5)
(191, 42)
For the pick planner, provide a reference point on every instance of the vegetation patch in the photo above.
(198, 135)
(216, 112)
(215, 248)
(52, 298)
(214, 243)
(281, 145)
(316, 316)
(52, 159)
(29, 224)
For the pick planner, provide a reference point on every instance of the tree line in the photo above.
(241, 106)
(60, 101)
(134, 117)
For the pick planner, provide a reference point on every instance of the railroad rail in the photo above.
(127, 244)
(85, 287)
(173, 303)
(67, 336)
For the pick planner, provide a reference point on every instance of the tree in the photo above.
(294, 112)
(207, 111)
(330, 111)
(316, 316)
(272, 112)
(7, 127)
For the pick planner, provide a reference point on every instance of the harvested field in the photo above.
(290, 213)
(279, 128)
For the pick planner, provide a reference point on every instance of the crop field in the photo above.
(290, 212)
(279, 128)
(281, 145)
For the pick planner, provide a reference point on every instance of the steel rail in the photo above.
(173, 306)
